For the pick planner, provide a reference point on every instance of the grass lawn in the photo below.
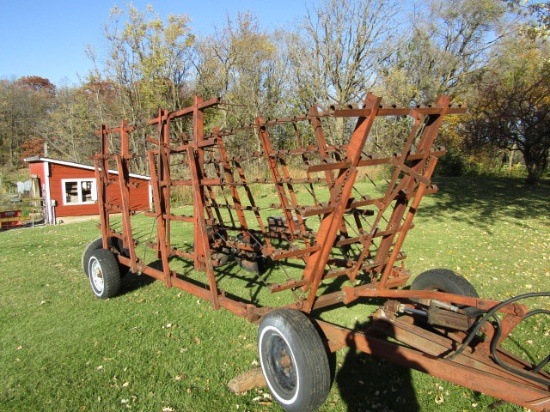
(159, 349)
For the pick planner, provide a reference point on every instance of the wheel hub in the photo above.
(282, 363)
(96, 275)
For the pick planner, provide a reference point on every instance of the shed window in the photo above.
(79, 191)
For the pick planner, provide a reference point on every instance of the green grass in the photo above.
(155, 349)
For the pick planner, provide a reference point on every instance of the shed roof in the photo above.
(37, 159)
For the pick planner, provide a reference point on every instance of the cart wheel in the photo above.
(98, 244)
(443, 280)
(104, 273)
(294, 360)
(93, 246)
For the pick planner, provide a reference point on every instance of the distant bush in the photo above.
(452, 164)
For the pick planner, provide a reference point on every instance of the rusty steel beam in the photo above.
(339, 196)
(492, 380)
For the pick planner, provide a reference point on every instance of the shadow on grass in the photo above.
(132, 281)
(369, 382)
(480, 201)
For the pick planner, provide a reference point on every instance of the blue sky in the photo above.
(49, 38)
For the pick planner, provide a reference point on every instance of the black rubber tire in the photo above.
(294, 360)
(95, 245)
(104, 273)
(444, 280)
(98, 244)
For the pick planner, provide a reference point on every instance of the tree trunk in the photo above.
(535, 164)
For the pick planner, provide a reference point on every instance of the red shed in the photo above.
(69, 189)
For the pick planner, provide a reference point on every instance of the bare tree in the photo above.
(241, 63)
(339, 49)
(449, 41)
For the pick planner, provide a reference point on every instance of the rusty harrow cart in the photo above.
(313, 230)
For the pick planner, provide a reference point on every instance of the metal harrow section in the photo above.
(317, 209)
(322, 220)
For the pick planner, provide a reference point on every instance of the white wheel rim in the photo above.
(96, 275)
(274, 390)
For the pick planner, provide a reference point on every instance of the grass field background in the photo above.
(159, 349)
